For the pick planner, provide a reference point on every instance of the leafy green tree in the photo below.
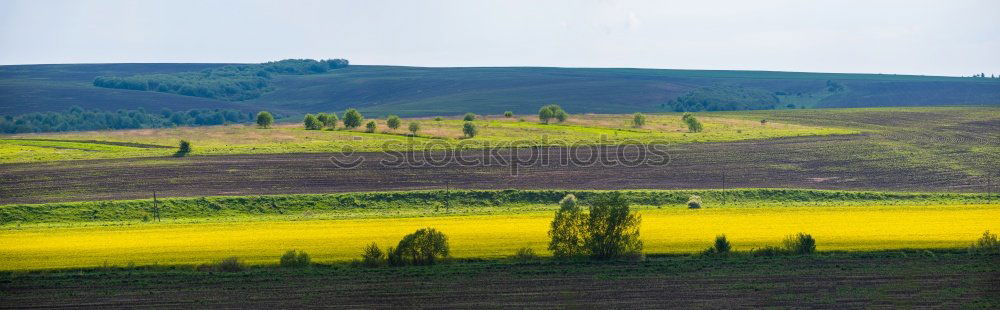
(613, 229)
(469, 117)
(370, 127)
(469, 129)
(325, 120)
(393, 122)
(312, 123)
(426, 246)
(638, 120)
(264, 119)
(545, 114)
(184, 149)
(552, 111)
(373, 256)
(561, 115)
(353, 119)
(508, 114)
(331, 121)
(568, 234)
(692, 123)
(414, 127)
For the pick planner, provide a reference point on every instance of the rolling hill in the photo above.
(419, 91)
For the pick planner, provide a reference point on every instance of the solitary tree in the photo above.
(692, 123)
(568, 234)
(414, 127)
(393, 122)
(264, 119)
(508, 114)
(352, 119)
(184, 149)
(638, 120)
(312, 123)
(469, 117)
(469, 129)
(370, 127)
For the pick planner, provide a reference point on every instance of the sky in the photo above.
(953, 37)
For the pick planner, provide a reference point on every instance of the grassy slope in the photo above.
(498, 131)
(450, 91)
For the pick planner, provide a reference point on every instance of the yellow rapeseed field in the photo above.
(663, 231)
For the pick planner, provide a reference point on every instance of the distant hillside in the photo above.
(416, 91)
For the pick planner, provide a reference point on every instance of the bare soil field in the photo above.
(839, 162)
(838, 280)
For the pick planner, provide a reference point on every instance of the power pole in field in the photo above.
(156, 207)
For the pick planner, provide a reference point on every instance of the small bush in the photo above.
(295, 259)
(525, 254)
(768, 251)
(394, 258)
(438, 119)
(721, 247)
(692, 123)
(469, 117)
(370, 127)
(801, 244)
(469, 129)
(373, 256)
(184, 149)
(694, 202)
(987, 244)
(508, 114)
(414, 128)
(229, 264)
(638, 120)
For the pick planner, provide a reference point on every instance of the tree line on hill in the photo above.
(76, 119)
(725, 98)
(232, 83)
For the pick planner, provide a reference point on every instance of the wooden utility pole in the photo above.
(156, 207)
(723, 187)
(447, 197)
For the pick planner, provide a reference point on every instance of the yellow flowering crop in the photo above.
(663, 231)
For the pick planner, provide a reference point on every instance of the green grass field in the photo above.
(495, 131)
